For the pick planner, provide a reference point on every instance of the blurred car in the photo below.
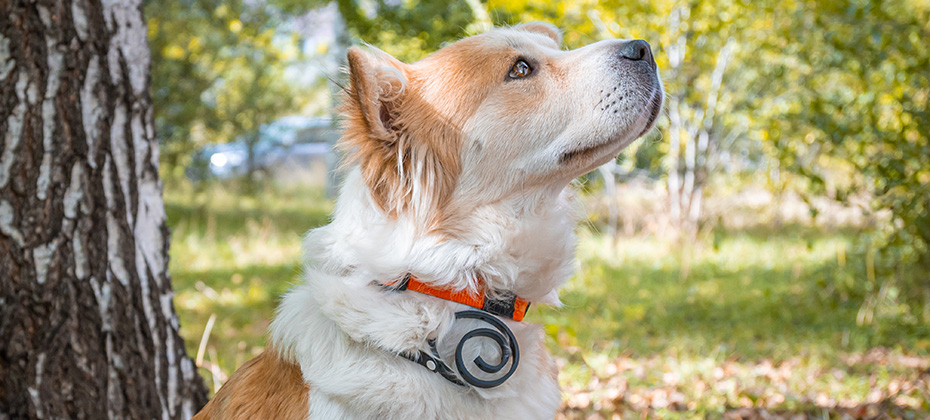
(292, 148)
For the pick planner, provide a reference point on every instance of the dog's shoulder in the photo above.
(267, 387)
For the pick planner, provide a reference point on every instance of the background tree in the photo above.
(222, 69)
(847, 108)
(86, 316)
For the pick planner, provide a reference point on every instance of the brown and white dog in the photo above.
(461, 165)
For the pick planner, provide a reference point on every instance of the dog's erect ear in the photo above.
(376, 87)
(544, 28)
(373, 137)
(405, 151)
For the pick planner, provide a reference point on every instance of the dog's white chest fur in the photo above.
(346, 333)
(355, 380)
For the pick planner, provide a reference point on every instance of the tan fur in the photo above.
(398, 114)
(385, 145)
(519, 101)
(266, 387)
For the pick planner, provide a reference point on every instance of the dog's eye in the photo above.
(520, 69)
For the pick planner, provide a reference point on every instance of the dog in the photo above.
(456, 214)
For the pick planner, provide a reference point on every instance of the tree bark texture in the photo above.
(87, 324)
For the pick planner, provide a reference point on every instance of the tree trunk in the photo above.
(87, 325)
(692, 152)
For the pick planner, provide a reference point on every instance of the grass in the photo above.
(232, 257)
(753, 323)
(755, 295)
(754, 320)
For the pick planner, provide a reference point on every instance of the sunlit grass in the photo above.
(232, 257)
(753, 295)
(752, 323)
(748, 319)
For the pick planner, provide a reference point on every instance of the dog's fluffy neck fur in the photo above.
(523, 245)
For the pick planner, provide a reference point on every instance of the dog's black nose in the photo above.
(636, 50)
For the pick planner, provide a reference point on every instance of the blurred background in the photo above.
(763, 253)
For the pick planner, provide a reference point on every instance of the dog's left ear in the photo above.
(544, 28)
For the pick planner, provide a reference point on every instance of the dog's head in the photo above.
(500, 114)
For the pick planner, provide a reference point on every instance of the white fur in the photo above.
(346, 333)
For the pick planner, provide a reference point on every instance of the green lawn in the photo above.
(232, 257)
(752, 323)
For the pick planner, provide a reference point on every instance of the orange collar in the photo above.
(511, 306)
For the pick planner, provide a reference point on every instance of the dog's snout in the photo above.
(636, 50)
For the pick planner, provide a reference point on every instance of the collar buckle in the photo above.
(433, 363)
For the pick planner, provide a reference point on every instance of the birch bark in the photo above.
(87, 324)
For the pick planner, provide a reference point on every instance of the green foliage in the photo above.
(218, 70)
(846, 107)
(407, 29)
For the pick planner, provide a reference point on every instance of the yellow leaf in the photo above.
(153, 27)
(235, 25)
(173, 52)
(194, 44)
